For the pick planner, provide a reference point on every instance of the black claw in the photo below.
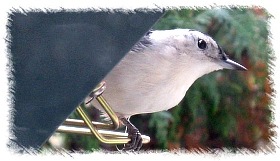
(134, 135)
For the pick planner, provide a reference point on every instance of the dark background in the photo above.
(57, 58)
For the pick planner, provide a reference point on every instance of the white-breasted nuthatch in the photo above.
(157, 72)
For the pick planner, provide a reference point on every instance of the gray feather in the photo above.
(143, 43)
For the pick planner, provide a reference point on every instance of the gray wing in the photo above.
(143, 43)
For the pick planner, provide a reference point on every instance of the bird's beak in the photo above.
(229, 64)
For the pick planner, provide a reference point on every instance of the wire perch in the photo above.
(102, 131)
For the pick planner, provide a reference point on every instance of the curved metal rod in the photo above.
(109, 111)
(97, 94)
(106, 133)
(96, 133)
(86, 126)
(80, 123)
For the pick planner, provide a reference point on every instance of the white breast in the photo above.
(134, 87)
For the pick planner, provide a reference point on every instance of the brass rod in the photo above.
(109, 111)
(81, 123)
(88, 127)
(106, 133)
(95, 132)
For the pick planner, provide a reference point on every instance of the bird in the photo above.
(158, 71)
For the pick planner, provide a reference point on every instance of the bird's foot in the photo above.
(134, 135)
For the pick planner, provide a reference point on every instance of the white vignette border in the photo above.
(111, 4)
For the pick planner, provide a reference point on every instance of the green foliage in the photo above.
(160, 121)
(216, 103)
(81, 142)
(244, 30)
(236, 29)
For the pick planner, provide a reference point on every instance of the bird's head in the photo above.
(201, 48)
(198, 49)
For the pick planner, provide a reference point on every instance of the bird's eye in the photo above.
(201, 44)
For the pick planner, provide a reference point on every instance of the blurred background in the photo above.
(225, 109)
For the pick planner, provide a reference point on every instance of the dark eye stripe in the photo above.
(222, 53)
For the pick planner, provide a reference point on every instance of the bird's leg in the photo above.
(133, 134)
